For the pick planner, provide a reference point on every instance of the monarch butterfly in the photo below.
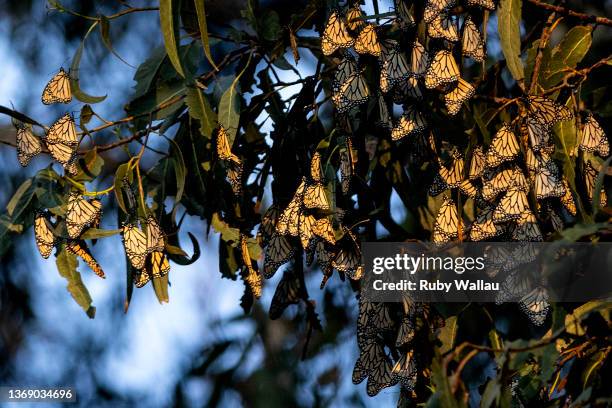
(455, 98)
(539, 134)
(443, 69)
(442, 26)
(156, 266)
(155, 236)
(446, 178)
(527, 229)
(446, 226)
(547, 182)
(346, 166)
(367, 360)
(535, 305)
(504, 147)
(406, 331)
(472, 44)
(434, 7)
(57, 89)
(345, 69)
(593, 139)
(546, 111)
(278, 251)
(380, 377)
(325, 255)
(483, 226)
(590, 175)
(335, 35)
(135, 244)
(315, 168)
(535, 160)
(487, 4)
(412, 121)
(555, 220)
(63, 131)
(511, 206)
(394, 69)
(354, 18)
(385, 119)
(81, 214)
(43, 233)
(232, 162)
(353, 92)
(367, 41)
(268, 224)
(469, 189)
(287, 293)
(515, 286)
(288, 221)
(407, 89)
(28, 145)
(404, 16)
(348, 258)
(323, 228)
(224, 150)
(502, 181)
(252, 278)
(477, 163)
(404, 371)
(79, 248)
(567, 200)
(419, 59)
(305, 224)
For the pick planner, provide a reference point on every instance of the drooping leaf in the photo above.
(106, 39)
(509, 20)
(567, 54)
(86, 115)
(180, 257)
(169, 19)
(160, 286)
(199, 108)
(180, 170)
(90, 166)
(147, 71)
(229, 111)
(95, 233)
(123, 172)
(201, 12)
(75, 86)
(67, 266)
(20, 199)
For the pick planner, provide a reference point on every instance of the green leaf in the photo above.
(67, 266)
(180, 170)
(147, 71)
(229, 106)
(199, 108)
(169, 16)
(567, 54)
(269, 26)
(598, 185)
(447, 334)
(121, 173)
(86, 114)
(160, 286)
(95, 233)
(228, 234)
(177, 255)
(75, 86)
(229, 111)
(509, 20)
(106, 39)
(20, 199)
(90, 166)
(531, 56)
(201, 11)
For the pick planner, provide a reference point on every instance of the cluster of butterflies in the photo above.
(145, 250)
(400, 76)
(61, 139)
(307, 223)
(498, 173)
(80, 215)
(380, 325)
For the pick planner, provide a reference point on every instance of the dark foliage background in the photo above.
(210, 346)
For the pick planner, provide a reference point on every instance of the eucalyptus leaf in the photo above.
(67, 266)
(509, 21)
(169, 19)
(75, 86)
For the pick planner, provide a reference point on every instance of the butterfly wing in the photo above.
(57, 89)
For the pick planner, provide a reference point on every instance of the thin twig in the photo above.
(546, 31)
(571, 13)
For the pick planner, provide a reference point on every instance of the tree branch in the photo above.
(571, 13)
